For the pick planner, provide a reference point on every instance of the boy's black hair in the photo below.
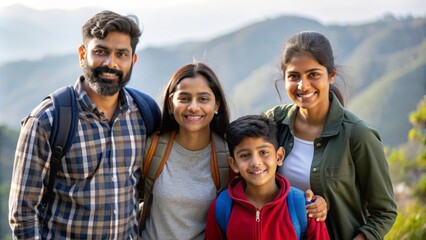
(257, 126)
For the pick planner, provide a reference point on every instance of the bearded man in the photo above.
(95, 194)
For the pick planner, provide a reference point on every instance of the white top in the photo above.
(182, 195)
(297, 166)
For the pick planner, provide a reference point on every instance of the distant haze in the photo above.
(170, 21)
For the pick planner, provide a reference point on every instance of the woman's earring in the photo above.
(216, 112)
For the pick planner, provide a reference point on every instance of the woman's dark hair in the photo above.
(220, 121)
(100, 25)
(316, 45)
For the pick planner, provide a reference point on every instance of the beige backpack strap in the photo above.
(155, 159)
(162, 154)
(148, 155)
(219, 163)
(150, 146)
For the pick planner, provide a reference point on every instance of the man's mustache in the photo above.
(99, 70)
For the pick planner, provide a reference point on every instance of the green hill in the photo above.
(247, 62)
(371, 59)
(394, 96)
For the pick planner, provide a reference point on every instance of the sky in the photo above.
(172, 21)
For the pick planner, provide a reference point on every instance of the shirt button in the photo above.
(113, 179)
(115, 212)
(314, 169)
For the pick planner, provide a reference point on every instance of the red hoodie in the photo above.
(273, 221)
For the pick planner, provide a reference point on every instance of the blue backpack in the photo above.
(295, 202)
(65, 121)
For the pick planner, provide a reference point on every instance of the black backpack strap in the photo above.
(150, 111)
(63, 128)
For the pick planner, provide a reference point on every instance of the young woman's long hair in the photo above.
(220, 121)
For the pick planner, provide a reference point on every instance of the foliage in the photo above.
(418, 119)
(411, 220)
(410, 224)
(397, 162)
(418, 133)
(8, 139)
(4, 225)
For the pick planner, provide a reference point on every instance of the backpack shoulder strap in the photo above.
(220, 167)
(157, 155)
(223, 210)
(155, 158)
(64, 125)
(296, 203)
(150, 111)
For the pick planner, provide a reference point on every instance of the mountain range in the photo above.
(383, 64)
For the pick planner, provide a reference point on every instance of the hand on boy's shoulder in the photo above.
(317, 208)
(309, 195)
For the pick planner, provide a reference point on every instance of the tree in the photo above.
(8, 139)
(411, 220)
(418, 133)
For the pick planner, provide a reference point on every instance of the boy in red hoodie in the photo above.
(259, 195)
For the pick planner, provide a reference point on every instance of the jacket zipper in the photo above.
(258, 231)
(257, 215)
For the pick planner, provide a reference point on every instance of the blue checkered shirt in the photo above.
(95, 193)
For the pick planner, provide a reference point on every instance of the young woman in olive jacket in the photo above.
(329, 149)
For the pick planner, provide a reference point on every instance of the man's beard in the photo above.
(105, 87)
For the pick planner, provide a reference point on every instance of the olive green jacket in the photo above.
(349, 169)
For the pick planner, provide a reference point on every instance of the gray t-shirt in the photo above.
(182, 195)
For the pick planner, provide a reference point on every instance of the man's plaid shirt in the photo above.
(95, 189)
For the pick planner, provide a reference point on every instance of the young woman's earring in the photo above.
(216, 112)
